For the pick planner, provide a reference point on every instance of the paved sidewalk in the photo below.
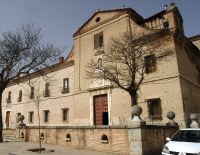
(20, 148)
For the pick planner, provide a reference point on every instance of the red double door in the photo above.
(101, 110)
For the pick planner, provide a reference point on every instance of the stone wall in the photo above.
(121, 140)
(154, 138)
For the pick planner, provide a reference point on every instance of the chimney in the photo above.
(172, 4)
(165, 7)
(61, 59)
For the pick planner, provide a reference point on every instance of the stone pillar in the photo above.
(136, 141)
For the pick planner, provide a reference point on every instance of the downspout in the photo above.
(79, 79)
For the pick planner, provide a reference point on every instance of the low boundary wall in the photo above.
(147, 140)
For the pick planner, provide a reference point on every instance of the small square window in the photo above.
(65, 115)
(150, 63)
(31, 113)
(46, 116)
(154, 108)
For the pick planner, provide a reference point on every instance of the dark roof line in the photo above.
(195, 38)
(43, 71)
(154, 16)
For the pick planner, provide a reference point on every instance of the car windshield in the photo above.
(187, 136)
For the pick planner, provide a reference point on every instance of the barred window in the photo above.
(154, 108)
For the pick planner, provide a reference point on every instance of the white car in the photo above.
(184, 142)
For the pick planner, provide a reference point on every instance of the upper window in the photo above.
(98, 40)
(65, 115)
(150, 63)
(32, 93)
(17, 119)
(46, 116)
(20, 96)
(8, 100)
(31, 116)
(154, 108)
(46, 91)
(65, 88)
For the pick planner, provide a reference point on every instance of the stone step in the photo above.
(10, 138)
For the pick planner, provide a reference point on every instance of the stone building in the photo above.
(67, 98)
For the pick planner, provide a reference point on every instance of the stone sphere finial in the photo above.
(193, 117)
(171, 115)
(136, 110)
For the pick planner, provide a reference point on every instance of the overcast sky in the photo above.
(59, 19)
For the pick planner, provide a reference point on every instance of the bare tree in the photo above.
(22, 52)
(37, 97)
(123, 61)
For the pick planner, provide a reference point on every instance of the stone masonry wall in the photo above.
(121, 140)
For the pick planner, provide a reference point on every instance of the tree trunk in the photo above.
(1, 121)
(133, 98)
(40, 140)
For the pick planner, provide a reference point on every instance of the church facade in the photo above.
(66, 97)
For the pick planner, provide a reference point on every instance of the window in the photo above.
(65, 88)
(20, 96)
(17, 117)
(32, 93)
(150, 63)
(31, 116)
(46, 91)
(98, 40)
(154, 108)
(65, 115)
(198, 76)
(8, 100)
(46, 115)
(165, 24)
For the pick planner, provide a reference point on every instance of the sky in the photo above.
(59, 19)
